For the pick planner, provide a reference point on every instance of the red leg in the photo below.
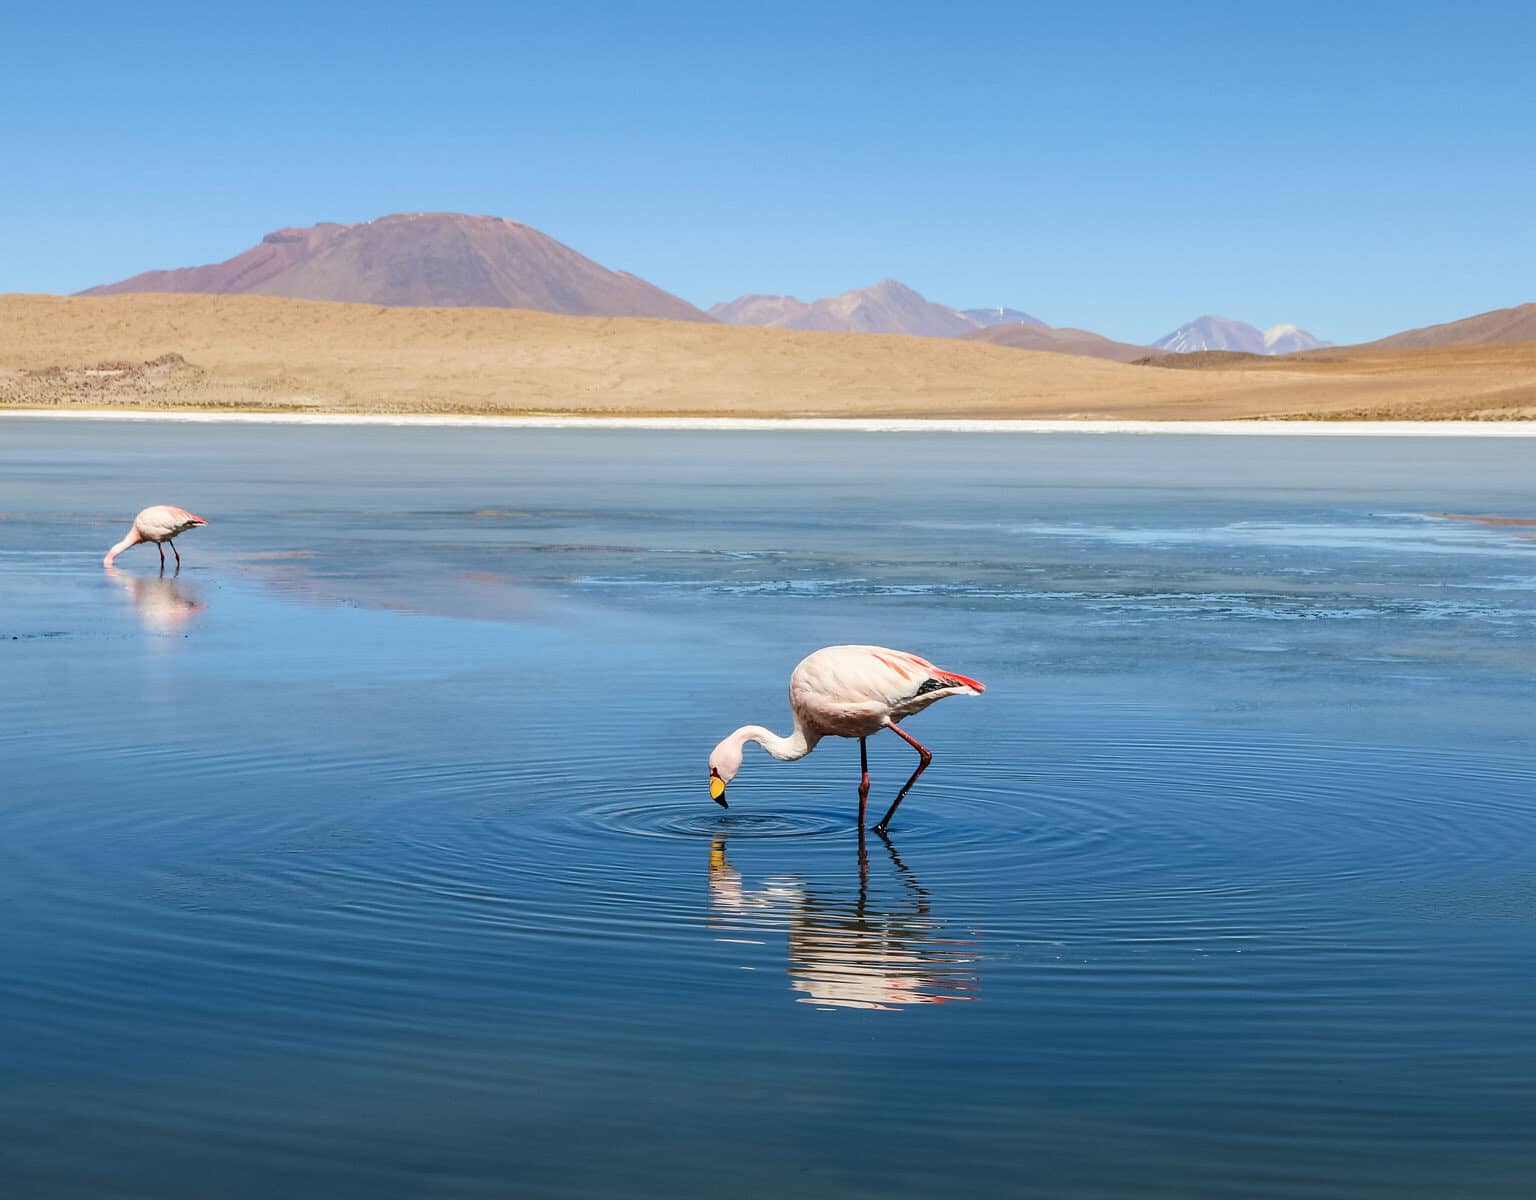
(160, 546)
(923, 760)
(863, 782)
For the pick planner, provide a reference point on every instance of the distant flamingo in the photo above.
(159, 524)
(851, 692)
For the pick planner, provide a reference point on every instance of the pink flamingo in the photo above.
(160, 523)
(851, 692)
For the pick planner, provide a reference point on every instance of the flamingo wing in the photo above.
(163, 521)
(867, 681)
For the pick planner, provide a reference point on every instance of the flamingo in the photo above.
(159, 523)
(851, 692)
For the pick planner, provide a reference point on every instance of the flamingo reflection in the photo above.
(164, 605)
(881, 949)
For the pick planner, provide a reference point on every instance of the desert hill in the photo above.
(431, 259)
(1058, 341)
(1502, 325)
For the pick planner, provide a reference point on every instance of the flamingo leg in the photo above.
(863, 782)
(160, 546)
(176, 552)
(924, 758)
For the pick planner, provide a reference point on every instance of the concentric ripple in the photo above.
(693, 821)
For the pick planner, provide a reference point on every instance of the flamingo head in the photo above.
(724, 762)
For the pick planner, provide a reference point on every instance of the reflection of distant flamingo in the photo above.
(162, 604)
(852, 692)
(869, 955)
(159, 523)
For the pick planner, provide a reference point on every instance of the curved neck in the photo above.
(131, 538)
(797, 745)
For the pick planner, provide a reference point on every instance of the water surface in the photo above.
(372, 855)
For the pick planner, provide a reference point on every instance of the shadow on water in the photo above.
(882, 949)
(164, 604)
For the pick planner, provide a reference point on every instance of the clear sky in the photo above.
(1353, 167)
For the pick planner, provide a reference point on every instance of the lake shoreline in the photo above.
(1229, 428)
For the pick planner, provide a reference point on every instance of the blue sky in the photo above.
(1356, 168)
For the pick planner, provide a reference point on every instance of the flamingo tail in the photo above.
(963, 680)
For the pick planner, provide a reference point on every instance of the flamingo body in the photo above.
(850, 692)
(160, 523)
(854, 691)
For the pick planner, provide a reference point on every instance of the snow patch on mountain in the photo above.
(1222, 333)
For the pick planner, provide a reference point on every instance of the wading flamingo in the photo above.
(159, 524)
(851, 692)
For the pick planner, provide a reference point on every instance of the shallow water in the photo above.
(372, 855)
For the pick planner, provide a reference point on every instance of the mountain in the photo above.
(986, 317)
(274, 254)
(440, 260)
(892, 307)
(1516, 324)
(887, 307)
(1212, 333)
(1287, 339)
(1061, 341)
(768, 311)
(1220, 333)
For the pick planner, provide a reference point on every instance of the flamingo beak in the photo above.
(717, 789)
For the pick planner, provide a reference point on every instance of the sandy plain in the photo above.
(259, 354)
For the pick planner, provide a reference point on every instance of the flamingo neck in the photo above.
(786, 749)
(131, 538)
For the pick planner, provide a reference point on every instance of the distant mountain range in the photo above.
(1220, 333)
(452, 260)
(445, 260)
(893, 307)
(987, 317)
(887, 307)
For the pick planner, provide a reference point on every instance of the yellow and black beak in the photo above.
(717, 788)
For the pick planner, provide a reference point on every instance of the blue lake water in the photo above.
(373, 855)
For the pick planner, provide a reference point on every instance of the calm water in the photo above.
(373, 856)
